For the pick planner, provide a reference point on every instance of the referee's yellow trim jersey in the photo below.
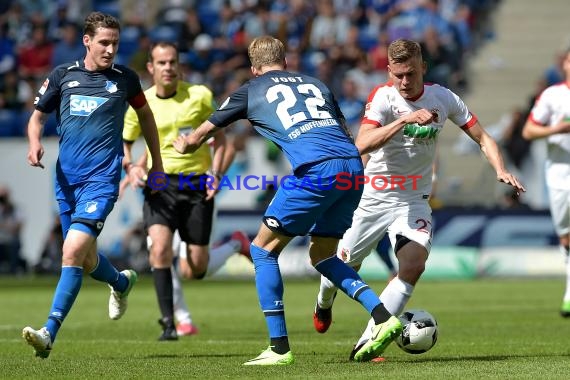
(181, 113)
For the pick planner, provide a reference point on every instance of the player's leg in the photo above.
(412, 258)
(182, 316)
(120, 283)
(265, 250)
(564, 247)
(201, 260)
(98, 266)
(287, 216)
(334, 219)
(412, 242)
(357, 243)
(383, 250)
(410, 232)
(196, 260)
(386, 326)
(80, 231)
(195, 229)
(395, 296)
(161, 213)
(75, 247)
(161, 257)
(560, 212)
(241, 244)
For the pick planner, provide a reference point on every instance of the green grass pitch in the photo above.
(488, 328)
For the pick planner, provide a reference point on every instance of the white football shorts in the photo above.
(412, 221)
(560, 210)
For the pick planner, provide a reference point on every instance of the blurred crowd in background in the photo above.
(343, 42)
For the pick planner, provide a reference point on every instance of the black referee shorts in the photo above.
(183, 209)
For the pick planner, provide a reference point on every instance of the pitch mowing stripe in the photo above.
(151, 341)
(11, 327)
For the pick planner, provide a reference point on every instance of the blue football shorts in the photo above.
(85, 206)
(313, 201)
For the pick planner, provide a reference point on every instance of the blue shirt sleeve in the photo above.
(49, 95)
(234, 108)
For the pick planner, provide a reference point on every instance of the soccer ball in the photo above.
(419, 333)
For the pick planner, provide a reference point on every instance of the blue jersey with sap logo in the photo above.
(90, 108)
(295, 111)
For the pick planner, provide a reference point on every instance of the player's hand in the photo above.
(123, 186)
(510, 179)
(421, 117)
(180, 144)
(137, 176)
(35, 154)
(212, 188)
(563, 126)
(158, 178)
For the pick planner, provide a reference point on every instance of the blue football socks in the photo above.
(105, 271)
(348, 280)
(269, 290)
(65, 293)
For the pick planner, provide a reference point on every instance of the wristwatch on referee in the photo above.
(216, 174)
(127, 166)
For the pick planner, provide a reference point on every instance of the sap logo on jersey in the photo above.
(85, 105)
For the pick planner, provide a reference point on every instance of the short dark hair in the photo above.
(99, 20)
(162, 44)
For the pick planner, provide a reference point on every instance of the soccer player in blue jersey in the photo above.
(90, 98)
(301, 116)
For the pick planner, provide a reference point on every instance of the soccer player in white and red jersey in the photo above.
(399, 130)
(550, 119)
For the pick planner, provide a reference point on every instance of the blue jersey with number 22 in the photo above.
(295, 111)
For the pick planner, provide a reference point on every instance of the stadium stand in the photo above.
(332, 39)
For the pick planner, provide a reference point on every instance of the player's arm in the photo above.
(491, 151)
(142, 160)
(129, 163)
(533, 130)
(136, 171)
(191, 142)
(372, 136)
(150, 133)
(220, 143)
(233, 109)
(35, 130)
(128, 155)
(536, 124)
(217, 169)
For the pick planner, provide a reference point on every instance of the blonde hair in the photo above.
(402, 50)
(266, 51)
